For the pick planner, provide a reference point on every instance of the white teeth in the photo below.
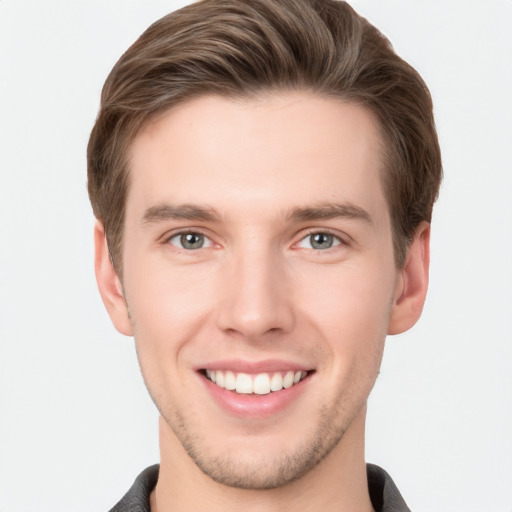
(288, 380)
(244, 384)
(229, 381)
(276, 382)
(260, 384)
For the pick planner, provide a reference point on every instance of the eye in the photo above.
(319, 241)
(190, 241)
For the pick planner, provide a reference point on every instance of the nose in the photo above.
(255, 297)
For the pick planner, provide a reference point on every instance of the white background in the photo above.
(76, 426)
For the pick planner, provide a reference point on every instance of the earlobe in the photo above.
(412, 285)
(109, 284)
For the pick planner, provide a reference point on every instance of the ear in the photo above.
(109, 284)
(412, 283)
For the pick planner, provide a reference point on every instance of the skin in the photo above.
(264, 170)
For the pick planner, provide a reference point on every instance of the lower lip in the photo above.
(253, 405)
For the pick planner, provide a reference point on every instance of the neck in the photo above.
(338, 483)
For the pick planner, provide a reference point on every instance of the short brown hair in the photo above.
(240, 48)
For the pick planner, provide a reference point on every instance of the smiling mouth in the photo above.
(259, 384)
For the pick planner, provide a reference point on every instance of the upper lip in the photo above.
(244, 366)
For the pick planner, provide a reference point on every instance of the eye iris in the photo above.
(321, 241)
(192, 240)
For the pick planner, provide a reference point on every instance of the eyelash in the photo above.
(336, 240)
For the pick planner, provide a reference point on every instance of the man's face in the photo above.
(258, 253)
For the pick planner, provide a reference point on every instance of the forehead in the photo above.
(281, 150)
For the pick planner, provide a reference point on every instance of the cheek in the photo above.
(349, 298)
(349, 308)
(167, 306)
(167, 314)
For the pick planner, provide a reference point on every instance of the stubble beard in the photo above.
(245, 471)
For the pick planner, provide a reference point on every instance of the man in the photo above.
(263, 174)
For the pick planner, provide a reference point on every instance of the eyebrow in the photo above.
(165, 212)
(330, 211)
(326, 211)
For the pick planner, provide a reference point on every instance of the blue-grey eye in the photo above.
(319, 241)
(190, 241)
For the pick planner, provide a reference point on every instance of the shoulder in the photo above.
(137, 497)
(384, 493)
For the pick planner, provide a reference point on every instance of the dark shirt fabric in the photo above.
(383, 492)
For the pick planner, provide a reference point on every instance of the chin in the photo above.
(256, 468)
